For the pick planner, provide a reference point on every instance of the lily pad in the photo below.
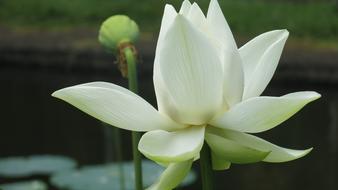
(27, 185)
(34, 165)
(107, 177)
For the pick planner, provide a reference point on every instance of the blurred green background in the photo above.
(315, 22)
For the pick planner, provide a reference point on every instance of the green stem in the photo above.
(132, 82)
(206, 169)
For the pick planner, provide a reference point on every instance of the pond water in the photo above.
(32, 122)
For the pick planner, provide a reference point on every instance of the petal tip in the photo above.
(280, 34)
(61, 93)
(185, 7)
(307, 96)
(294, 155)
(316, 96)
(169, 6)
(307, 151)
(283, 33)
(54, 94)
(57, 94)
(301, 153)
(312, 96)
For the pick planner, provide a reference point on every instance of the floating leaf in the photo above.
(33, 165)
(107, 177)
(27, 185)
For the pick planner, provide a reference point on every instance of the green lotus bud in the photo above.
(116, 30)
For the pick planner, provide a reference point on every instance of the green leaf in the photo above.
(34, 165)
(107, 177)
(28, 185)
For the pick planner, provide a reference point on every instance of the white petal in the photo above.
(277, 153)
(172, 176)
(168, 18)
(263, 113)
(162, 146)
(260, 59)
(163, 100)
(192, 73)
(116, 106)
(185, 7)
(196, 17)
(233, 77)
(219, 25)
(219, 163)
(226, 45)
(234, 151)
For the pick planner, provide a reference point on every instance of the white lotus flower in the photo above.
(206, 89)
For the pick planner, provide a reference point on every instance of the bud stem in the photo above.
(132, 83)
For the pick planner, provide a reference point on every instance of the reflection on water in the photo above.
(35, 123)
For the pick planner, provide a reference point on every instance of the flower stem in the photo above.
(206, 170)
(132, 83)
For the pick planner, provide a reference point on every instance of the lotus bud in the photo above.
(117, 30)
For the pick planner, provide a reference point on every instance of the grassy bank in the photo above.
(312, 20)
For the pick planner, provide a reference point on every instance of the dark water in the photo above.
(32, 122)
